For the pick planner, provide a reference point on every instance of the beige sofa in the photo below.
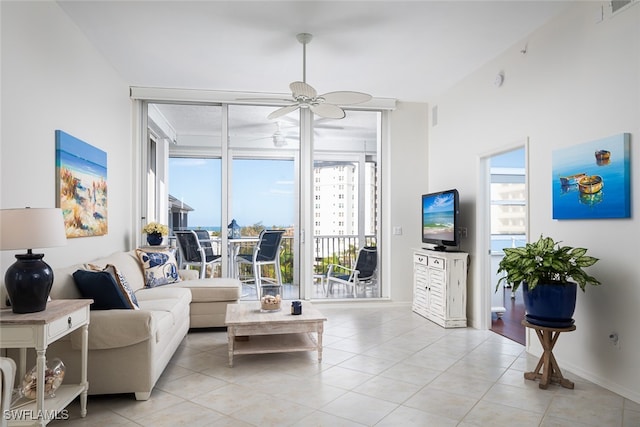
(129, 349)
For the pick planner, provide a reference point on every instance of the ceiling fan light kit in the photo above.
(305, 96)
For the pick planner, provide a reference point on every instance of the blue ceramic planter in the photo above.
(550, 305)
(154, 239)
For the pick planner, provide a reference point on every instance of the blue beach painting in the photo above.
(82, 186)
(591, 180)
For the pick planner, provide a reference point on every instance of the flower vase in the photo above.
(154, 239)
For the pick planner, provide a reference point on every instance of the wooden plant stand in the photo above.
(547, 363)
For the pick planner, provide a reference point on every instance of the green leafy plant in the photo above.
(545, 261)
(154, 227)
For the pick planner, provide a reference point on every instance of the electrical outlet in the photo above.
(463, 232)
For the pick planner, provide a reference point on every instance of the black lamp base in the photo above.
(28, 282)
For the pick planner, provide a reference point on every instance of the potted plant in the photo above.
(154, 232)
(545, 268)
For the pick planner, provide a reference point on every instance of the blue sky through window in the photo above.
(262, 191)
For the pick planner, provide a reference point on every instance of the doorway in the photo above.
(507, 229)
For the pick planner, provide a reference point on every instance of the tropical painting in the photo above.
(82, 186)
(591, 180)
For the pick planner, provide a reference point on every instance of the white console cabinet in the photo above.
(440, 287)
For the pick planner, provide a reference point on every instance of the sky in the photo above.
(510, 159)
(262, 191)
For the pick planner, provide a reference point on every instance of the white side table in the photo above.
(38, 330)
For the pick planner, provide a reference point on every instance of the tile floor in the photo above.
(383, 366)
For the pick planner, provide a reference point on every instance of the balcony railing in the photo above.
(327, 249)
(337, 249)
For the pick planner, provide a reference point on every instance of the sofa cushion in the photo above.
(212, 289)
(64, 285)
(105, 290)
(167, 306)
(117, 328)
(160, 267)
(128, 264)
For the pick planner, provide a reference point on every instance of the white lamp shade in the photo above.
(30, 228)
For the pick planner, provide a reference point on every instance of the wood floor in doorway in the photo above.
(510, 325)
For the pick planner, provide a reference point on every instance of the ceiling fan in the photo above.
(305, 96)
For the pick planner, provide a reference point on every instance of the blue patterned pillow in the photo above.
(160, 268)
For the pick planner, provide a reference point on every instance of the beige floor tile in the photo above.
(137, 409)
(231, 398)
(311, 392)
(192, 385)
(461, 384)
(272, 411)
(367, 364)
(441, 403)
(186, 414)
(360, 408)
(388, 389)
(321, 419)
(495, 415)
(529, 399)
(411, 374)
(584, 411)
(343, 378)
(411, 417)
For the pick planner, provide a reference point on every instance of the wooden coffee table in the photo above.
(251, 331)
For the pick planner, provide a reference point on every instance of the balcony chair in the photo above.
(8, 370)
(205, 241)
(363, 273)
(193, 252)
(265, 252)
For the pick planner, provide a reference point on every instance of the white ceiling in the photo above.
(408, 50)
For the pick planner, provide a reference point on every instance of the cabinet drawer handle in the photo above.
(69, 322)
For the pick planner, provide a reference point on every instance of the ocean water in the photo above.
(438, 219)
(75, 163)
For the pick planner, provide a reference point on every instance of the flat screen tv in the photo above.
(440, 219)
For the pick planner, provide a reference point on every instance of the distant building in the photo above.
(178, 214)
(336, 201)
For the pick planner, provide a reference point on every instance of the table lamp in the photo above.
(29, 279)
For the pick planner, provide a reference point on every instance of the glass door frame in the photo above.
(141, 97)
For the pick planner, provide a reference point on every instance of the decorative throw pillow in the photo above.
(160, 267)
(122, 283)
(103, 288)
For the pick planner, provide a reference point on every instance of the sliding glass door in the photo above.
(216, 163)
(345, 176)
(263, 182)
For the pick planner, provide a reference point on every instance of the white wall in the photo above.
(578, 81)
(52, 78)
(406, 177)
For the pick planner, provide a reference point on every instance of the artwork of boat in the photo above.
(603, 155)
(590, 184)
(571, 179)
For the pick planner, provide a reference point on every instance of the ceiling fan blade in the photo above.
(302, 89)
(346, 97)
(282, 111)
(329, 111)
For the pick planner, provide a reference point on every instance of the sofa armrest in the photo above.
(116, 328)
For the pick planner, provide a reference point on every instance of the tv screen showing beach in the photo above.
(438, 213)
